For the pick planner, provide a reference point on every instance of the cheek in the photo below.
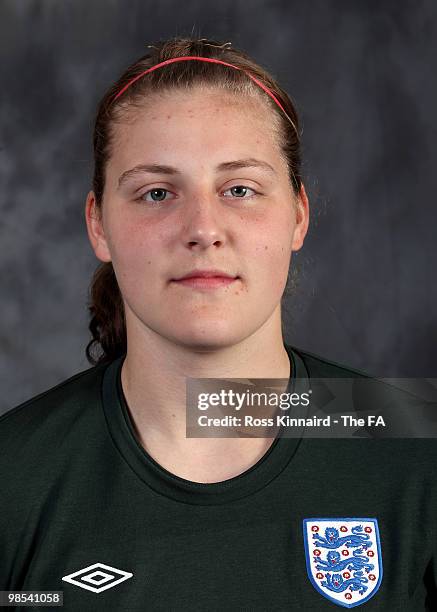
(134, 251)
(270, 274)
(270, 244)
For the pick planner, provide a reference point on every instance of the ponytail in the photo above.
(107, 324)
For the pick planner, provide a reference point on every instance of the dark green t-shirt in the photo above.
(85, 510)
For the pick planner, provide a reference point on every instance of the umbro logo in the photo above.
(97, 577)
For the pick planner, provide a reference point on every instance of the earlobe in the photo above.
(96, 234)
(302, 219)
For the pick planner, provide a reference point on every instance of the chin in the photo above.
(206, 337)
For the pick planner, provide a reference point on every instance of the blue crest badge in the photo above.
(343, 558)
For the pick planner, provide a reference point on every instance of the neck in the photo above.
(154, 376)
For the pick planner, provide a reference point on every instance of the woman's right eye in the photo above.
(157, 194)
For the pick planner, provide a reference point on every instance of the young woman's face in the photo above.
(197, 182)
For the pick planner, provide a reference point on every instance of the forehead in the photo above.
(213, 108)
(198, 120)
(201, 101)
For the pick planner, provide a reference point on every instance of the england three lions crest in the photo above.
(343, 557)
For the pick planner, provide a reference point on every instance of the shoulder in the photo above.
(408, 430)
(47, 441)
(321, 367)
(43, 418)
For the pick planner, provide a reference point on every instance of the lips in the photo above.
(218, 274)
(205, 280)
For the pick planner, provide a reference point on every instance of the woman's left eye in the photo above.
(240, 191)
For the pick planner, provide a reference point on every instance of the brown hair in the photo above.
(107, 323)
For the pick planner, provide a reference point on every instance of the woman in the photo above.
(196, 208)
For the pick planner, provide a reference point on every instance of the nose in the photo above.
(203, 224)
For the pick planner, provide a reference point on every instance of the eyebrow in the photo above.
(237, 164)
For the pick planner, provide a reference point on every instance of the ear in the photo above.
(94, 223)
(302, 219)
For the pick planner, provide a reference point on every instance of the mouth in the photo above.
(206, 282)
(206, 279)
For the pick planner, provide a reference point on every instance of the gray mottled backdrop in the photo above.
(362, 74)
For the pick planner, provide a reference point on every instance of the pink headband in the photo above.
(204, 59)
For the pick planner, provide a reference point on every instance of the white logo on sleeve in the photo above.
(97, 577)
